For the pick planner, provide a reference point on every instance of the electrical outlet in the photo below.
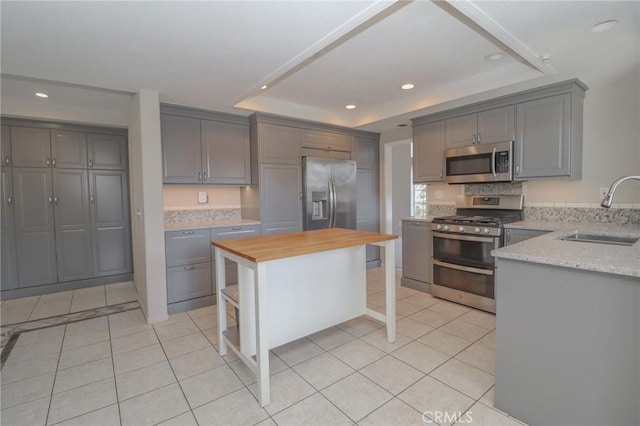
(603, 192)
(203, 197)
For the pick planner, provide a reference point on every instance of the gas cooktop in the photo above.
(477, 220)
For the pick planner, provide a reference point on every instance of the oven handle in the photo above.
(493, 162)
(463, 237)
(463, 268)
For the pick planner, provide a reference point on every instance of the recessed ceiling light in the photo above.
(494, 56)
(350, 106)
(42, 95)
(407, 86)
(604, 26)
(264, 87)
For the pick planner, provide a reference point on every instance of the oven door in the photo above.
(466, 250)
(469, 286)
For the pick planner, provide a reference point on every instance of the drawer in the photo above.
(232, 232)
(187, 247)
(188, 282)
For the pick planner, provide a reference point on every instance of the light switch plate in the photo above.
(203, 197)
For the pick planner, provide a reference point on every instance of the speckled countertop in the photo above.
(427, 218)
(181, 226)
(549, 249)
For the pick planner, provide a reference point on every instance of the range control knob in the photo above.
(485, 230)
(438, 227)
(460, 228)
(446, 227)
(477, 230)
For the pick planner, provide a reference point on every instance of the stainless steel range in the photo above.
(463, 267)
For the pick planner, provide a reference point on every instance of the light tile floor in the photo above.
(119, 370)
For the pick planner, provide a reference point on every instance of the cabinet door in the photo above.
(496, 125)
(188, 282)
(281, 205)
(110, 227)
(30, 147)
(7, 233)
(5, 147)
(461, 131)
(107, 152)
(225, 156)
(365, 152)
(187, 247)
(367, 216)
(278, 144)
(513, 236)
(428, 146)
(416, 250)
(326, 140)
(72, 224)
(181, 149)
(35, 231)
(543, 137)
(68, 149)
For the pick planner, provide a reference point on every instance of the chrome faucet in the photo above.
(606, 201)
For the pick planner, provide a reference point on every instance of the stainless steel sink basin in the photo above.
(586, 237)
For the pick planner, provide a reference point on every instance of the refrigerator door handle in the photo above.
(330, 212)
(335, 203)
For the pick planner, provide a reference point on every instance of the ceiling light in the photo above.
(494, 56)
(42, 95)
(351, 106)
(264, 87)
(603, 26)
(407, 86)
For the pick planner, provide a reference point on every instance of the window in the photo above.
(420, 199)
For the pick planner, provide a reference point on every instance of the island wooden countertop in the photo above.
(272, 247)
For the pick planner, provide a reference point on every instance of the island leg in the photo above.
(390, 289)
(262, 338)
(221, 283)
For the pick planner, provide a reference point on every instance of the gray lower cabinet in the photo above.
(515, 235)
(72, 224)
(187, 247)
(280, 198)
(189, 282)
(7, 232)
(110, 222)
(34, 225)
(416, 254)
(107, 152)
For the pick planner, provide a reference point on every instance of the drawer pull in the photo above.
(187, 232)
(188, 268)
(236, 228)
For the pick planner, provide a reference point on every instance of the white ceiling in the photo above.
(315, 56)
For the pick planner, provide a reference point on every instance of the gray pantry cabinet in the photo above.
(545, 123)
(7, 232)
(202, 147)
(66, 220)
(366, 154)
(280, 198)
(417, 243)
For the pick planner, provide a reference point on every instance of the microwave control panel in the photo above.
(502, 162)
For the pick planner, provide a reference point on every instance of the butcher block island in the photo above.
(293, 285)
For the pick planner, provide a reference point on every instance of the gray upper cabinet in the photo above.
(278, 144)
(72, 224)
(428, 147)
(181, 149)
(107, 152)
(30, 147)
(365, 152)
(325, 140)
(5, 147)
(68, 149)
(34, 224)
(110, 225)
(493, 125)
(544, 137)
(226, 157)
(280, 198)
(7, 233)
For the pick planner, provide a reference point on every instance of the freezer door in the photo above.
(344, 174)
(316, 193)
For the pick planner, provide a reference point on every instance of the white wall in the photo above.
(145, 166)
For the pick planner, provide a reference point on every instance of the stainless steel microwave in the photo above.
(481, 163)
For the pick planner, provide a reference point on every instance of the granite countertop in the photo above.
(181, 226)
(541, 225)
(427, 218)
(548, 249)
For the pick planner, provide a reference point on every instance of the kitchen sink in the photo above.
(586, 237)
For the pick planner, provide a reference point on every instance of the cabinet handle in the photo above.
(478, 138)
(55, 200)
(10, 200)
(50, 200)
(204, 176)
(473, 138)
(300, 195)
(90, 164)
(188, 268)
(187, 232)
(48, 162)
(7, 160)
(508, 236)
(199, 176)
(91, 200)
(236, 228)
(517, 169)
(53, 162)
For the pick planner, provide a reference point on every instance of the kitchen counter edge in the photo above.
(181, 226)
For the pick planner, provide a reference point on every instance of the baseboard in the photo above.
(187, 305)
(58, 287)
(416, 285)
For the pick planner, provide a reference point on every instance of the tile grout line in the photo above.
(113, 365)
(53, 386)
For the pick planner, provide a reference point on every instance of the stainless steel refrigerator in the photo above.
(329, 193)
